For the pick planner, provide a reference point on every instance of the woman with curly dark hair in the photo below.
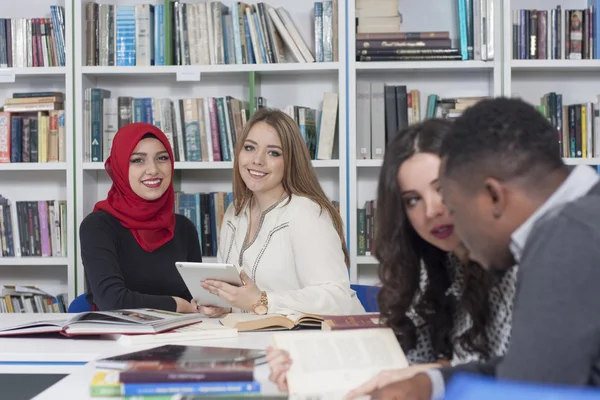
(443, 308)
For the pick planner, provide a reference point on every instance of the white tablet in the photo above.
(194, 273)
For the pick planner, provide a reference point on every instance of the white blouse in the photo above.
(296, 257)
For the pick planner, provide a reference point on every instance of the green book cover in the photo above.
(168, 33)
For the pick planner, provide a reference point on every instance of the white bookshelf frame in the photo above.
(363, 269)
(62, 268)
(84, 171)
(345, 72)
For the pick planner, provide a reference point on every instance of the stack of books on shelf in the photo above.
(33, 42)
(578, 125)
(384, 110)
(379, 36)
(209, 33)
(37, 228)
(30, 299)
(206, 211)
(556, 33)
(366, 229)
(172, 370)
(32, 128)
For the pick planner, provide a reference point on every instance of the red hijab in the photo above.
(152, 223)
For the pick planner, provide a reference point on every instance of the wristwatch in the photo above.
(262, 306)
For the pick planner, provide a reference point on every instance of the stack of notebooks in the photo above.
(170, 371)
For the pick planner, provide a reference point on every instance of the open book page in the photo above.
(252, 322)
(198, 331)
(7, 327)
(129, 321)
(338, 361)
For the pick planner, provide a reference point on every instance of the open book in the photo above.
(275, 322)
(244, 322)
(106, 322)
(335, 362)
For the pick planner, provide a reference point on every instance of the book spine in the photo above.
(140, 389)
(213, 375)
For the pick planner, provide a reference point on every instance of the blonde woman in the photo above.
(281, 230)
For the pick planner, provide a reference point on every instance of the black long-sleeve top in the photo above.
(120, 274)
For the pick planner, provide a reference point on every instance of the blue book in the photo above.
(125, 37)
(140, 389)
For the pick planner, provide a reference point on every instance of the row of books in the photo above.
(178, 33)
(577, 125)
(33, 228)
(198, 129)
(30, 299)
(379, 36)
(206, 211)
(383, 110)
(32, 128)
(556, 33)
(33, 42)
(365, 230)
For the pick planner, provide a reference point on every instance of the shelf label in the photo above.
(188, 75)
(7, 76)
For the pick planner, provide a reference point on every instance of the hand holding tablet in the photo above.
(220, 285)
(194, 274)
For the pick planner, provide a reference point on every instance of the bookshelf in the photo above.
(38, 181)
(280, 84)
(346, 178)
(551, 69)
(448, 78)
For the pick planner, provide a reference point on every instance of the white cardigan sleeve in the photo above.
(320, 267)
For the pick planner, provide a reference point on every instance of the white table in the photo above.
(75, 356)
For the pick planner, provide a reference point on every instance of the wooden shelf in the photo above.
(555, 65)
(425, 66)
(24, 166)
(19, 261)
(179, 70)
(209, 165)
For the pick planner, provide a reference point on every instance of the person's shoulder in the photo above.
(582, 214)
(183, 222)
(303, 204)
(98, 219)
(99, 224)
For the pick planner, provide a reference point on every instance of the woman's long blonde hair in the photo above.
(299, 177)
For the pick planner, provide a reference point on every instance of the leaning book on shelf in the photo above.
(138, 321)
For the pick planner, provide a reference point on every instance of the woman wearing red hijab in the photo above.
(131, 241)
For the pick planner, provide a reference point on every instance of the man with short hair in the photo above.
(514, 201)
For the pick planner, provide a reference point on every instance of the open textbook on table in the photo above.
(139, 321)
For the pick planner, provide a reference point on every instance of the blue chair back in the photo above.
(472, 387)
(367, 295)
(79, 304)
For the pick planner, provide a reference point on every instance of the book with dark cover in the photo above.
(180, 355)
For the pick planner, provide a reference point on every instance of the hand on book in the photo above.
(418, 387)
(214, 312)
(279, 362)
(242, 297)
(184, 306)
(388, 377)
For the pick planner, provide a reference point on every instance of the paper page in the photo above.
(338, 361)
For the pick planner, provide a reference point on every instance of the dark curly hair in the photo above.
(400, 251)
